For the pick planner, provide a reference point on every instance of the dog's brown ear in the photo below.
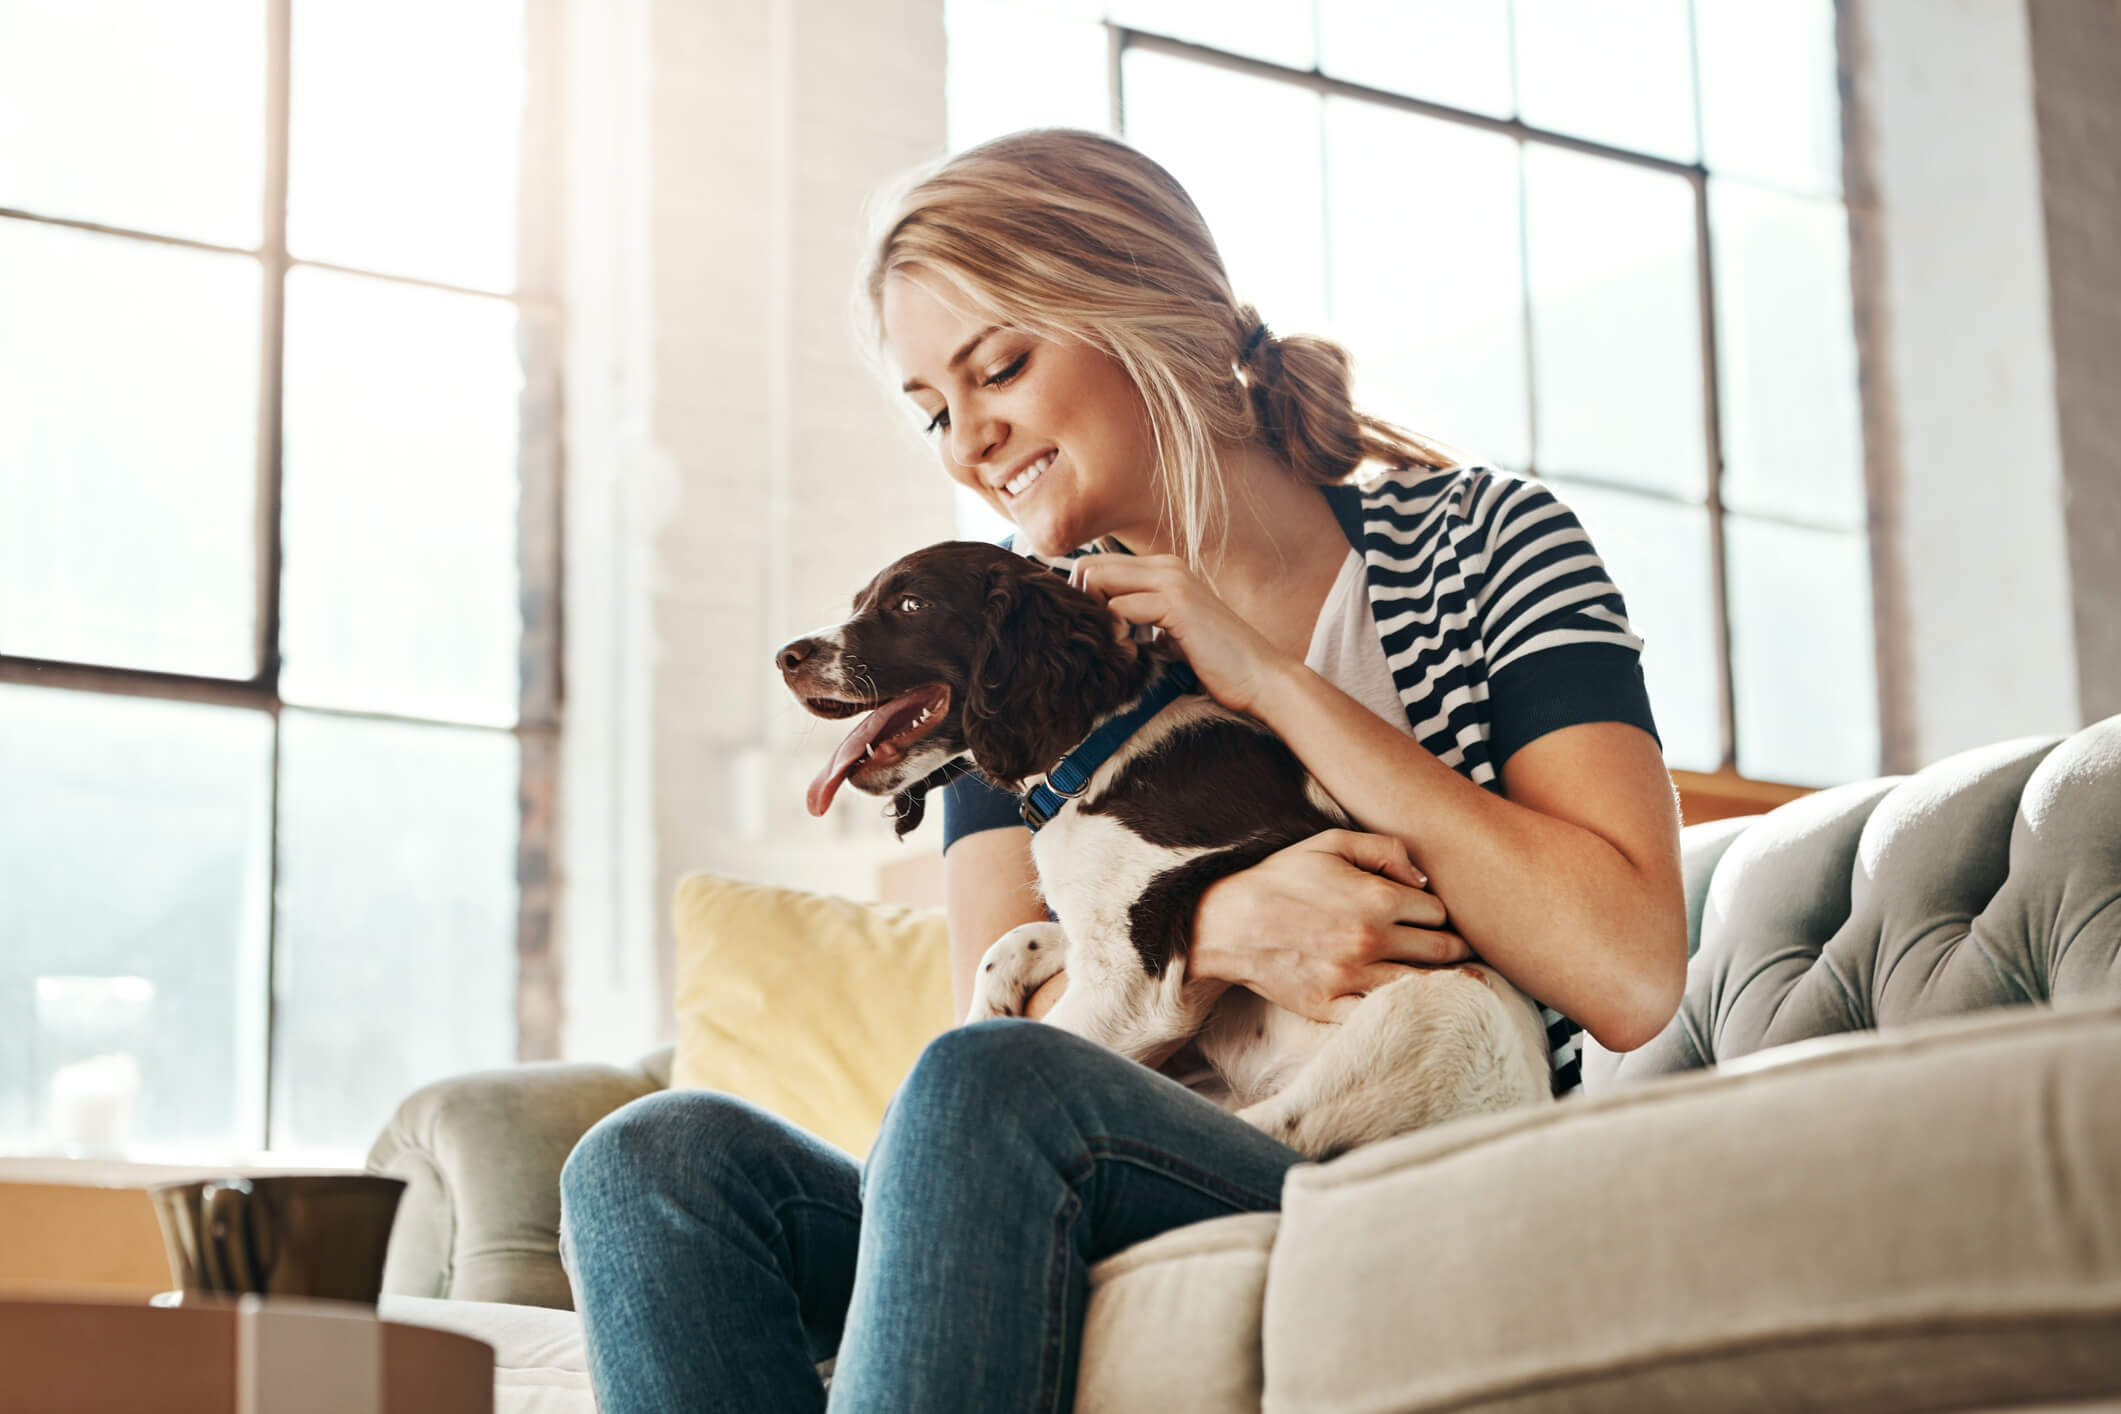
(1046, 663)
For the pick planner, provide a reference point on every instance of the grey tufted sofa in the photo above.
(1874, 1163)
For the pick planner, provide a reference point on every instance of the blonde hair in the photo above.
(1076, 236)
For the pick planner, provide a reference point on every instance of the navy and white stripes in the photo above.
(1499, 623)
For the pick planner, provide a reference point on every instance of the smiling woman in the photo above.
(1439, 648)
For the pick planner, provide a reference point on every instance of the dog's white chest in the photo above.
(1092, 869)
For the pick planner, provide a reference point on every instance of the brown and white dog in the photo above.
(969, 653)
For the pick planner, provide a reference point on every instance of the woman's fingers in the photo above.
(1140, 607)
(1375, 854)
(1111, 574)
(1428, 947)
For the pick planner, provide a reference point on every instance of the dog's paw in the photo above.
(1021, 961)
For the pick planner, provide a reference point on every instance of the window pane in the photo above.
(396, 953)
(405, 122)
(1447, 51)
(988, 40)
(400, 592)
(1616, 322)
(1618, 72)
(1433, 310)
(1786, 346)
(1218, 132)
(1801, 653)
(128, 452)
(1279, 31)
(1658, 553)
(1770, 92)
(135, 837)
(136, 113)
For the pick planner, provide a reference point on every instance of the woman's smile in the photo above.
(1019, 485)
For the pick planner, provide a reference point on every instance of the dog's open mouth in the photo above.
(880, 740)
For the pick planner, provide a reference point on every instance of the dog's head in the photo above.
(961, 650)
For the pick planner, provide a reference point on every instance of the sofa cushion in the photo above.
(814, 1007)
(1922, 1219)
(1992, 878)
(539, 1364)
(1173, 1323)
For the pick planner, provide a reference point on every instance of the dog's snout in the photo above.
(793, 655)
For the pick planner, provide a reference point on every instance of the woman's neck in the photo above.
(1279, 526)
(1279, 550)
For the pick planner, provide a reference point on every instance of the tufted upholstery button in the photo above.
(1990, 879)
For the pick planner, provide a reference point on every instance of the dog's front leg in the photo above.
(1020, 962)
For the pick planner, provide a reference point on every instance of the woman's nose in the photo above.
(973, 440)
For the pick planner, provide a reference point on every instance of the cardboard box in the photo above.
(243, 1357)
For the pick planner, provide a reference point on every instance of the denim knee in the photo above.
(970, 1068)
(639, 1149)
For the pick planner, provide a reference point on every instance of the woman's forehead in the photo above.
(922, 313)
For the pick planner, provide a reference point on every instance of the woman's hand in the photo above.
(1323, 922)
(1233, 660)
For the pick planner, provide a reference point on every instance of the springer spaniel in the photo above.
(967, 655)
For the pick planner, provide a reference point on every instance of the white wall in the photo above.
(1974, 588)
(734, 471)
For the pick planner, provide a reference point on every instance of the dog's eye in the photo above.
(907, 604)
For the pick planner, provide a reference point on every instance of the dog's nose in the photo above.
(792, 655)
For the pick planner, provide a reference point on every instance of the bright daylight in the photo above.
(929, 705)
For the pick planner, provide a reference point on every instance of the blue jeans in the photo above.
(719, 1253)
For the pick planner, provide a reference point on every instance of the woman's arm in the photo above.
(989, 887)
(1570, 884)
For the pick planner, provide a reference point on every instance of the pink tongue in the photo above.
(849, 755)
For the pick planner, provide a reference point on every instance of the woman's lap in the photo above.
(949, 1271)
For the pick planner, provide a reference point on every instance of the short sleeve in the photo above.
(970, 805)
(1561, 651)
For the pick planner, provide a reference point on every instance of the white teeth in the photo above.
(1021, 482)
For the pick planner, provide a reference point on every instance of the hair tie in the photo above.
(1259, 336)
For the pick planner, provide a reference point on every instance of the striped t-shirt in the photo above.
(1498, 623)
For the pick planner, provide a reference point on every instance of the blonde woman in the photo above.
(1439, 644)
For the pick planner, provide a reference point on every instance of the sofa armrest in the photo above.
(481, 1156)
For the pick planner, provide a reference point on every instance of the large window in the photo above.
(1601, 243)
(277, 565)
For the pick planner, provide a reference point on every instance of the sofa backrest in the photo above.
(1990, 879)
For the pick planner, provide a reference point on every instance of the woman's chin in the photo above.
(1042, 537)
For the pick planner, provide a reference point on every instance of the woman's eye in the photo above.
(907, 604)
(1001, 376)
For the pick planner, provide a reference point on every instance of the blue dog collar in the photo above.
(1072, 776)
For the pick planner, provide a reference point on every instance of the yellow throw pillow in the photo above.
(812, 1006)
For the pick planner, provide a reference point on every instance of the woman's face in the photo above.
(1052, 435)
